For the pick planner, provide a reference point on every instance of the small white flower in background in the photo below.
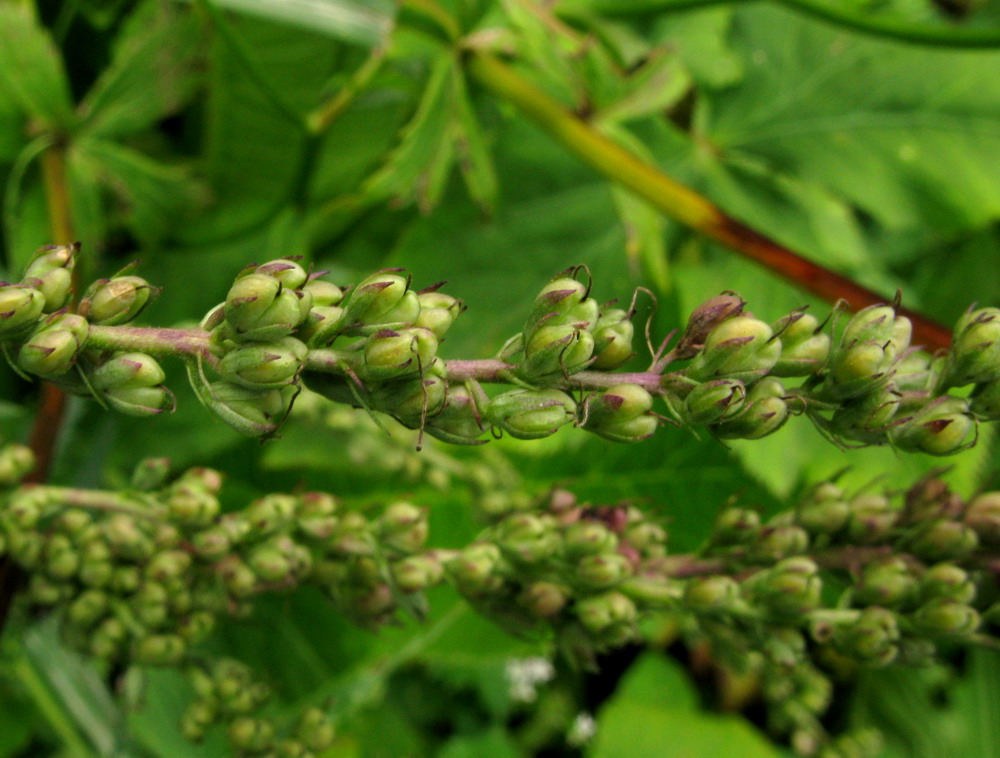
(525, 674)
(582, 730)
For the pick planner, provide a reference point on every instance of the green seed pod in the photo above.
(16, 462)
(975, 353)
(315, 729)
(889, 582)
(804, 346)
(286, 271)
(392, 354)
(595, 572)
(711, 594)
(111, 302)
(600, 614)
(552, 351)
(947, 618)
(51, 272)
(944, 540)
(740, 347)
(259, 308)
(620, 414)
(20, 308)
(942, 427)
(530, 414)
(949, 581)
(613, 334)
(416, 573)
(985, 401)
(983, 516)
(714, 401)
(438, 312)
(764, 412)
(872, 639)
(263, 366)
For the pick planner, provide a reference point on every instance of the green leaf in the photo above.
(654, 714)
(30, 67)
(159, 43)
(474, 158)
(366, 23)
(493, 742)
(154, 196)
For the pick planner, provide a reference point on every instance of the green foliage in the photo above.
(203, 136)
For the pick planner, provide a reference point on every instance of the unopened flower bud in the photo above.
(946, 617)
(875, 322)
(983, 515)
(438, 312)
(89, 607)
(804, 346)
(949, 581)
(704, 319)
(259, 308)
(457, 422)
(943, 427)
(476, 568)
(872, 639)
(620, 413)
(315, 729)
(286, 271)
(860, 368)
(16, 461)
(528, 537)
(867, 418)
(735, 526)
(252, 412)
(20, 308)
(544, 599)
(416, 573)
(613, 334)
(198, 718)
(764, 412)
(403, 527)
(269, 563)
(249, 734)
(791, 587)
(715, 400)
(50, 271)
(889, 582)
(556, 350)
(740, 347)
(404, 313)
(392, 354)
(111, 302)
(530, 414)
(588, 538)
(712, 593)
(944, 540)
(975, 352)
(270, 513)
(824, 510)
(127, 371)
(602, 571)
(324, 293)
(556, 301)
(872, 517)
(373, 297)
(108, 639)
(261, 366)
(600, 613)
(779, 541)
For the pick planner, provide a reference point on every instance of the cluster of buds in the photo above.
(144, 576)
(568, 566)
(44, 337)
(375, 346)
(230, 696)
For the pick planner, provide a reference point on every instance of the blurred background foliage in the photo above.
(201, 136)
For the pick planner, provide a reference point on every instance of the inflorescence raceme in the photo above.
(865, 579)
(375, 346)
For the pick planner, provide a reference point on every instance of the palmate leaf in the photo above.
(151, 75)
(909, 135)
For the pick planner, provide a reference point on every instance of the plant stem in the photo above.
(100, 500)
(680, 202)
(162, 342)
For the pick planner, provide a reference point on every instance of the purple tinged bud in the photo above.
(713, 401)
(704, 319)
(288, 272)
(946, 618)
(116, 301)
(558, 297)
(404, 313)
(764, 412)
(983, 516)
(251, 412)
(949, 581)
(804, 347)
(476, 570)
(458, 421)
(543, 599)
(975, 352)
(20, 308)
(551, 351)
(416, 573)
(588, 538)
(51, 273)
(530, 414)
(872, 639)
(323, 293)
(16, 462)
(620, 413)
(260, 308)
(790, 588)
(600, 614)
(392, 354)
(888, 582)
(944, 540)
(985, 401)
(128, 371)
(710, 594)
(740, 347)
(373, 297)
(601, 571)
(438, 312)
(262, 366)
(613, 334)
(942, 427)
(735, 526)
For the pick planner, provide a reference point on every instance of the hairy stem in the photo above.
(159, 342)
